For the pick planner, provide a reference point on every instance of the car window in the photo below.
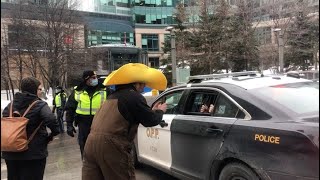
(172, 101)
(199, 99)
(225, 108)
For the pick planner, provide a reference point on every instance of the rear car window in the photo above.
(225, 108)
(298, 97)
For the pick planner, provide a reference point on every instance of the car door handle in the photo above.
(214, 131)
(163, 124)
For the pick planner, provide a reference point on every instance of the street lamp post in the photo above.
(173, 55)
(281, 48)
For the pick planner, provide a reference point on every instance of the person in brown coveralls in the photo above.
(114, 127)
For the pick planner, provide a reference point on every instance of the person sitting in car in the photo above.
(206, 109)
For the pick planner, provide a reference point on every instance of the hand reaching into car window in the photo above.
(160, 106)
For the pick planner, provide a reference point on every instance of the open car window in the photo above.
(197, 100)
(212, 103)
(172, 100)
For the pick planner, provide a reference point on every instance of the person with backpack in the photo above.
(30, 164)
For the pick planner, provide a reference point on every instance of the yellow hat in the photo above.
(136, 72)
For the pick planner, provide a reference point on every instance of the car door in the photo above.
(154, 143)
(197, 137)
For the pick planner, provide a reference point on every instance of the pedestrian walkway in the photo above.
(64, 162)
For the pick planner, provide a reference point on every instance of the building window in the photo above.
(150, 42)
(112, 6)
(155, 3)
(96, 37)
(154, 62)
(154, 15)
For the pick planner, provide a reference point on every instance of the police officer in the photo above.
(59, 103)
(83, 104)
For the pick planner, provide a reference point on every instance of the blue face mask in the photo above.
(94, 82)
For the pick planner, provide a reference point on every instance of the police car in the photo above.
(260, 128)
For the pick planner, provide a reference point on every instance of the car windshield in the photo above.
(302, 98)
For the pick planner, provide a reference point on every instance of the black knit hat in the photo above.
(30, 85)
(87, 74)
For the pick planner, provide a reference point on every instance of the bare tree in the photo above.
(6, 79)
(60, 25)
(279, 14)
(45, 37)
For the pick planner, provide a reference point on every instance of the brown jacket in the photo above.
(112, 132)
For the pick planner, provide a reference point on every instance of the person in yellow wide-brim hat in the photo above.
(108, 147)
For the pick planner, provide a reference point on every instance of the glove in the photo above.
(163, 124)
(75, 123)
(49, 138)
(71, 130)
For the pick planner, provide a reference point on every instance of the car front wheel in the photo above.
(237, 171)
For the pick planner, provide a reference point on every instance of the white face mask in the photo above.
(94, 82)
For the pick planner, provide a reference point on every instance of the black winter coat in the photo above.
(37, 148)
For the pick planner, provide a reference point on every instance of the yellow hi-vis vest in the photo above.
(57, 99)
(87, 106)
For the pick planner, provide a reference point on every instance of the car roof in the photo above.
(253, 82)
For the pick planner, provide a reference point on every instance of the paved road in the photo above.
(64, 163)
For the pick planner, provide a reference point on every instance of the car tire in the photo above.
(237, 171)
(134, 155)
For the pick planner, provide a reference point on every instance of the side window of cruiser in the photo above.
(225, 108)
(201, 103)
(172, 101)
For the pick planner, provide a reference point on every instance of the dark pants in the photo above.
(60, 119)
(84, 130)
(26, 169)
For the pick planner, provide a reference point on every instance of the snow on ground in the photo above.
(5, 101)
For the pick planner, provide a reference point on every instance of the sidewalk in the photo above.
(63, 162)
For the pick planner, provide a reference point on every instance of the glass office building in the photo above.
(150, 18)
(120, 7)
(159, 11)
(108, 22)
(108, 29)
(154, 11)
